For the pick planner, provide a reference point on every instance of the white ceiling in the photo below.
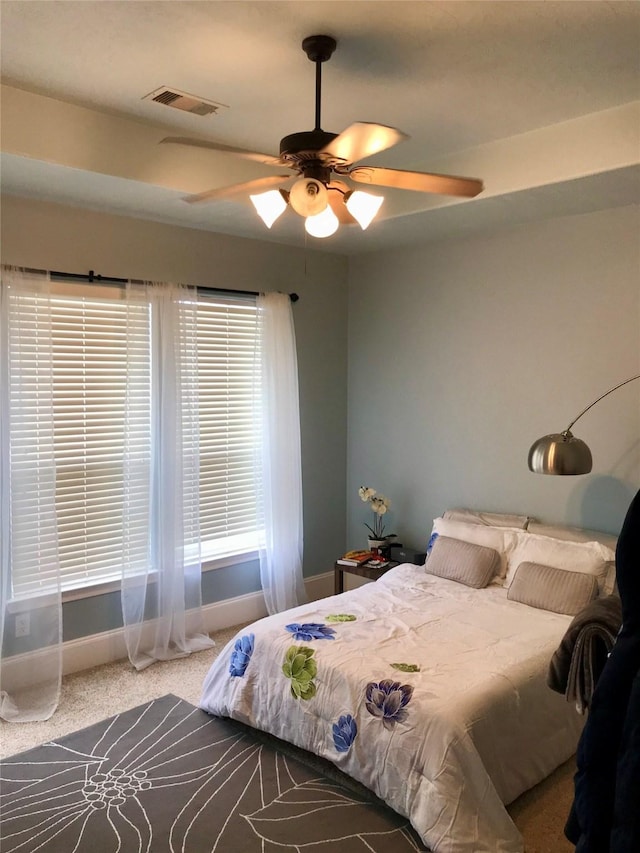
(539, 99)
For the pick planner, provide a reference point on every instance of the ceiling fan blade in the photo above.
(258, 185)
(362, 139)
(256, 156)
(423, 182)
(336, 201)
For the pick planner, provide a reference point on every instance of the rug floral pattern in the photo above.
(168, 777)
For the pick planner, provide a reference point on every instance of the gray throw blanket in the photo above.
(582, 653)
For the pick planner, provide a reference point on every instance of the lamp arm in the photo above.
(606, 394)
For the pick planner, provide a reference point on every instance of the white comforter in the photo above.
(463, 726)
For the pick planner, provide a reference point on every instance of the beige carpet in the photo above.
(94, 694)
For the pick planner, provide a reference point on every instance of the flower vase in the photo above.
(378, 546)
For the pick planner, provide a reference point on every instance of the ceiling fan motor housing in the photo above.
(303, 152)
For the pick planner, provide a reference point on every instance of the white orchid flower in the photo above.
(379, 505)
(366, 494)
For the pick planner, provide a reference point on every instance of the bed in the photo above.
(429, 685)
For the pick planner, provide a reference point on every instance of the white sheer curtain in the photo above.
(281, 556)
(30, 605)
(161, 589)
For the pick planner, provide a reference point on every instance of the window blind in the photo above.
(90, 364)
(230, 426)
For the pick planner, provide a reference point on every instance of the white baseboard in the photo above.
(319, 586)
(109, 646)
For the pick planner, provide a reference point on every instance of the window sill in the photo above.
(229, 560)
(20, 605)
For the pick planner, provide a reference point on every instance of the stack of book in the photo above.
(355, 558)
(363, 558)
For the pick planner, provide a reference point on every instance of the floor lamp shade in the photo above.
(562, 452)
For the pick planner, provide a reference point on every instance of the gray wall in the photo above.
(49, 236)
(462, 353)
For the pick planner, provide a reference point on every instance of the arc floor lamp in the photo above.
(563, 453)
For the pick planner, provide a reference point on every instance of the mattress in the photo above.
(430, 693)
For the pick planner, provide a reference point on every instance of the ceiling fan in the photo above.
(317, 156)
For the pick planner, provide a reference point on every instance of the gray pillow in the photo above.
(552, 589)
(464, 562)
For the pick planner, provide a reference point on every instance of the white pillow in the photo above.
(489, 519)
(501, 539)
(611, 581)
(582, 534)
(591, 558)
(573, 534)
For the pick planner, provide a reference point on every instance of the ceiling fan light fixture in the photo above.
(363, 206)
(322, 224)
(308, 197)
(316, 155)
(269, 205)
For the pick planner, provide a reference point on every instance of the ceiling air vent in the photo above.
(182, 101)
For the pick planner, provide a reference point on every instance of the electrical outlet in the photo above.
(23, 626)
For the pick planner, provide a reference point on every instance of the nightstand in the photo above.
(362, 571)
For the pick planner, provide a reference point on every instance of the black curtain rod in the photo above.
(92, 276)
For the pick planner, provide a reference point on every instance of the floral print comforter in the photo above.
(430, 693)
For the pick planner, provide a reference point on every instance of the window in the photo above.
(229, 407)
(89, 327)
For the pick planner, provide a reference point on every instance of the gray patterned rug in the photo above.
(168, 777)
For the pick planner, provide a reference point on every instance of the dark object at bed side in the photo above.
(579, 660)
(604, 815)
